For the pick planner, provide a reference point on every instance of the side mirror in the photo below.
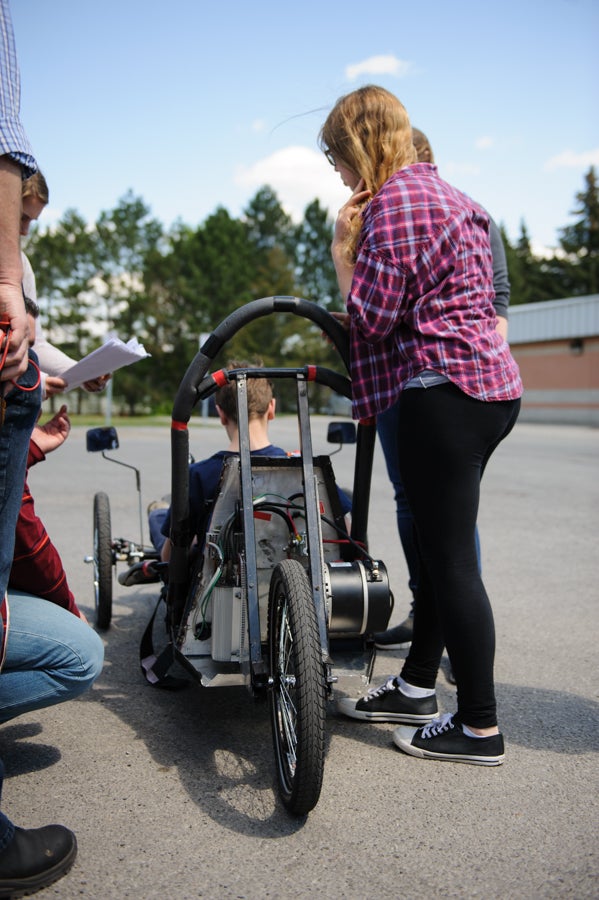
(341, 433)
(101, 439)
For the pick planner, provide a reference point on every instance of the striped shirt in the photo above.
(422, 295)
(13, 140)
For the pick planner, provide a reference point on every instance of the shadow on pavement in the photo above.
(21, 756)
(218, 740)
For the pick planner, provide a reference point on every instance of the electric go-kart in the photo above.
(281, 592)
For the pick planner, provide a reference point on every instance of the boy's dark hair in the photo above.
(259, 393)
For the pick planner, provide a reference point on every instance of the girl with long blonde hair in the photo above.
(413, 262)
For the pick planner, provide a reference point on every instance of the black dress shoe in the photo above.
(140, 573)
(398, 638)
(35, 858)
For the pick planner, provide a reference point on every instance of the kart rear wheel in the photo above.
(102, 560)
(298, 693)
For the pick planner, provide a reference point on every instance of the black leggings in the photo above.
(445, 441)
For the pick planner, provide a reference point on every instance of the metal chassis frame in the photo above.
(195, 387)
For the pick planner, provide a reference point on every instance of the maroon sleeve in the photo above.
(37, 567)
(34, 454)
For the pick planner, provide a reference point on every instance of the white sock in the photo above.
(469, 733)
(410, 690)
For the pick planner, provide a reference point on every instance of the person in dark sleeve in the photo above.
(399, 637)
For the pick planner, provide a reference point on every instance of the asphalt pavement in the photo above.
(172, 795)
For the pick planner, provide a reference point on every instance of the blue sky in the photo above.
(195, 104)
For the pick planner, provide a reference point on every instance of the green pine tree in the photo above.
(580, 240)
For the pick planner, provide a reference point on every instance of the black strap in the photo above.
(155, 668)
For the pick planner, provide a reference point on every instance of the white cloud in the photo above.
(258, 125)
(378, 65)
(298, 175)
(484, 143)
(570, 160)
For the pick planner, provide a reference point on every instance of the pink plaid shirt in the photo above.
(421, 295)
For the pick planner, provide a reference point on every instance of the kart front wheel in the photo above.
(102, 560)
(298, 692)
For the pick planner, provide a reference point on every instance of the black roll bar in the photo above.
(195, 386)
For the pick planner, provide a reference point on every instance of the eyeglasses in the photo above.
(330, 157)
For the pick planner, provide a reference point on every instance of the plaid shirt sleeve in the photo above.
(13, 140)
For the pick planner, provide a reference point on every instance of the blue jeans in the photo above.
(51, 656)
(387, 426)
(22, 408)
(156, 519)
(21, 412)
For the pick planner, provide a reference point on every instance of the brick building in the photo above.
(556, 345)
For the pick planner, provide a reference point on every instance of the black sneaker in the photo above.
(444, 739)
(388, 703)
(397, 638)
(35, 858)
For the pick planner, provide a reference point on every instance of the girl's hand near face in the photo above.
(349, 210)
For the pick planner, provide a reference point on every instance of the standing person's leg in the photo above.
(393, 701)
(447, 440)
(29, 858)
(397, 701)
(399, 637)
(22, 408)
(442, 481)
(51, 656)
(388, 425)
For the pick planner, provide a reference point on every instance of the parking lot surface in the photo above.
(172, 795)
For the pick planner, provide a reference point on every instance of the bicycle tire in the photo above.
(298, 691)
(103, 561)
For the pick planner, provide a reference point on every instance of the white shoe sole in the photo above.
(403, 646)
(402, 738)
(347, 707)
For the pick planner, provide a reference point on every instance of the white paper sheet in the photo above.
(112, 355)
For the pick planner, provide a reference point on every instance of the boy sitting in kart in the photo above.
(204, 476)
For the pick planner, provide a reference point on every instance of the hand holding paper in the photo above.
(112, 355)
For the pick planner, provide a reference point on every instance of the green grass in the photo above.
(91, 421)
